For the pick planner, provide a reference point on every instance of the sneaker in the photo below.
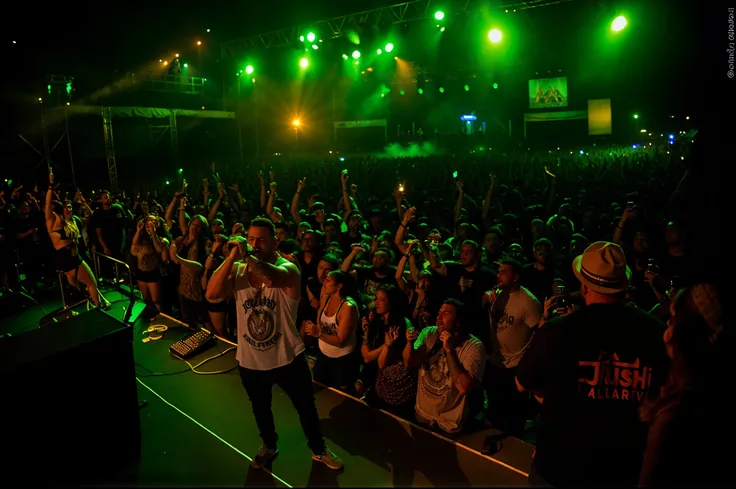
(329, 459)
(263, 456)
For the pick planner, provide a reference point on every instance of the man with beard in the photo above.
(514, 316)
(354, 234)
(267, 290)
(451, 362)
(370, 278)
(466, 280)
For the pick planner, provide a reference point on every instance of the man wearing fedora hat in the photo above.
(593, 369)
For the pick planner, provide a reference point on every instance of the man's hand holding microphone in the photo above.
(239, 248)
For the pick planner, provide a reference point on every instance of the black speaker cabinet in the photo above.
(69, 403)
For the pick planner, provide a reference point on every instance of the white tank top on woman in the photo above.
(267, 334)
(328, 325)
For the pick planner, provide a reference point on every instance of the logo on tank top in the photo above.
(260, 329)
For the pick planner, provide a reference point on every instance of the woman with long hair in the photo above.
(338, 362)
(151, 247)
(190, 253)
(688, 419)
(64, 234)
(391, 385)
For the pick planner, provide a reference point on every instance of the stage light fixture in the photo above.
(249, 70)
(344, 56)
(439, 15)
(199, 43)
(379, 51)
(442, 90)
(494, 35)
(495, 85)
(389, 47)
(296, 122)
(304, 62)
(315, 47)
(311, 37)
(176, 55)
(618, 23)
(186, 65)
(356, 54)
(467, 88)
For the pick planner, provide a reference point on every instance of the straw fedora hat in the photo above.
(602, 268)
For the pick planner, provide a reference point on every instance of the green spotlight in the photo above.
(379, 51)
(467, 88)
(249, 70)
(439, 15)
(167, 182)
(494, 35)
(420, 91)
(442, 90)
(401, 92)
(311, 37)
(495, 85)
(442, 29)
(618, 23)
(636, 116)
(186, 65)
(344, 56)
(356, 54)
(304, 62)
(301, 38)
(181, 170)
(389, 47)
(315, 47)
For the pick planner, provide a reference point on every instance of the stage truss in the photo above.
(338, 26)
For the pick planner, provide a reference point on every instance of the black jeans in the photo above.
(296, 380)
(508, 408)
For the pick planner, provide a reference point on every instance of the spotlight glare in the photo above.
(304, 62)
(311, 37)
(301, 38)
(296, 122)
(315, 47)
(249, 70)
(494, 35)
(199, 43)
(389, 47)
(356, 54)
(176, 55)
(379, 51)
(618, 23)
(439, 15)
(186, 65)
(344, 56)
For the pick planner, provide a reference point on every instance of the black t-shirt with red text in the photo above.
(594, 368)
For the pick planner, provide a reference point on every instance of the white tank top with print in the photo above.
(268, 337)
(328, 325)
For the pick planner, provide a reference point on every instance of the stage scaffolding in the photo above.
(61, 115)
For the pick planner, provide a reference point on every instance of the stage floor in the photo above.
(198, 430)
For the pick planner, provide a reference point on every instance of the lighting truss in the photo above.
(395, 14)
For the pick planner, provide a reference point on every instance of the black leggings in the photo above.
(296, 380)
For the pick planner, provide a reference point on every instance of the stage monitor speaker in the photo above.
(69, 408)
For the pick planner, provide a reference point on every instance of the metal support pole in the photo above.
(69, 145)
(173, 129)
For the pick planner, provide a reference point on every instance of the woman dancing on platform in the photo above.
(64, 233)
(151, 247)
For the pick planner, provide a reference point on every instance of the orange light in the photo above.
(296, 122)
(370, 69)
(165, 63)
(176, 55)
(199, 43)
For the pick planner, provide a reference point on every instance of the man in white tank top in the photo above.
(267, 289)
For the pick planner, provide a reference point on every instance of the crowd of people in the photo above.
(562, 290)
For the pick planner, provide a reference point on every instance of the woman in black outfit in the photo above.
(64, 233)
